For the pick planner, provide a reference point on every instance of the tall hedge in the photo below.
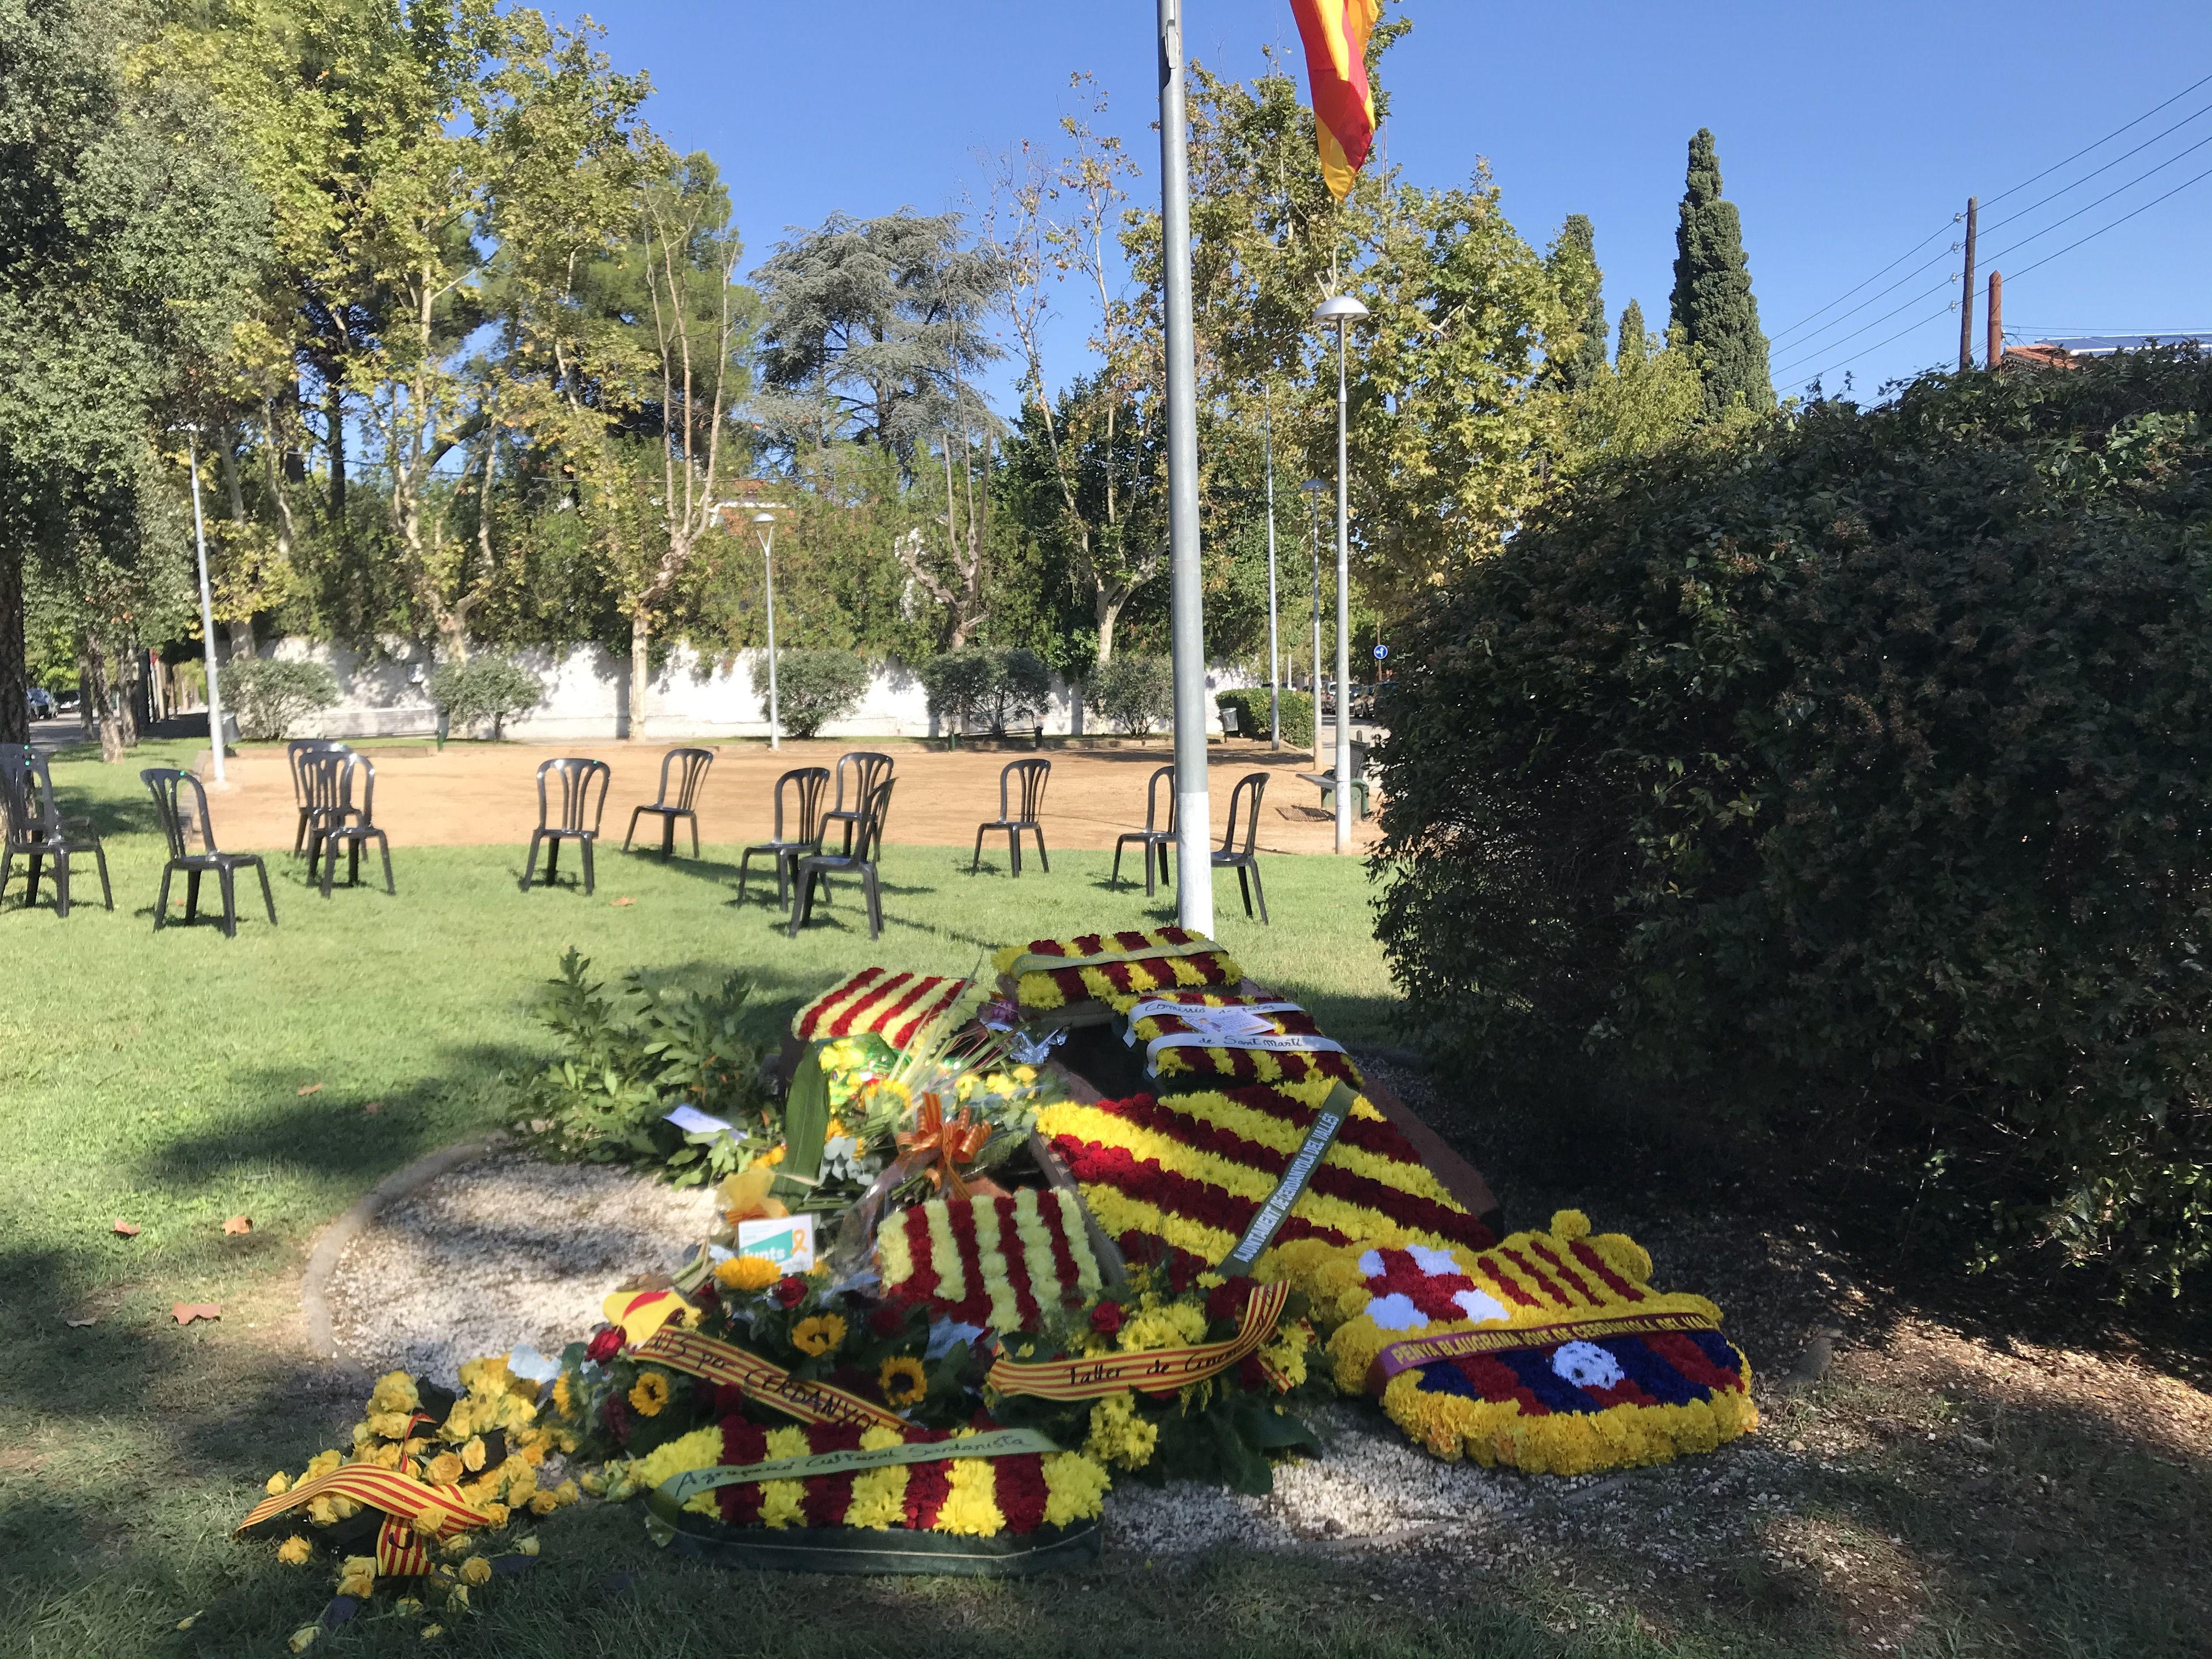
(1854, 773)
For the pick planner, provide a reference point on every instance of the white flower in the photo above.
(1436, 1264)
(1371, 1264)
(1479, 1305)
(1586, 1365)
(1395, 1312)
(842, 1160)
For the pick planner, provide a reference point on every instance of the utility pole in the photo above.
(1274, 650)
(1997, 319)
(1966, 293)
(1186, 585)
(1314, 488)
(207, 609)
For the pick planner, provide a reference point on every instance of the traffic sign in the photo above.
(1381, 652)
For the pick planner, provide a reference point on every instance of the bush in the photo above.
(1251, 706)
(628, 1059)
(1850, 772)
(484, 689)
(980, 687)
(1137, 692)
(812, 688)
(270, 696)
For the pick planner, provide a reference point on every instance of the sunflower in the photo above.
(902, 1380)
(818, 1334)
(564, 1398)
(747, 1273)
(651, 1393)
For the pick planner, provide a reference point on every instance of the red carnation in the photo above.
(887, 1321)
(606, 1343)
(790, 1291)
(616, 1419)
(1251, 1373)
(1226, 1299)
(1106, 1318)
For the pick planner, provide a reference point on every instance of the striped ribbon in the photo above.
(1416, 1351)
(399, 1552)
(1158, 1371)
(1037, 964)
(1268, 1220)
(763, 1380)
(394, 1493)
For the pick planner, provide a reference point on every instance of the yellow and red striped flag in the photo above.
(1335, 33)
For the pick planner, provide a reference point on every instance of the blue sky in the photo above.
(1848, 133)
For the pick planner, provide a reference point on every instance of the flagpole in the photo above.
(1274, 653)
(1187, 627)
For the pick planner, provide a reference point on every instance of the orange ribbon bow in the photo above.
(953, 1143)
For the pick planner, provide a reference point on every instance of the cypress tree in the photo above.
(1634, 344)
(1581, 284)
(1713, 305)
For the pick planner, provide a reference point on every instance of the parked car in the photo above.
(42, 703)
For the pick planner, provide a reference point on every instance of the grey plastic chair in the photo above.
(862, 862)
(297, 753)
(182, 805)
(1152, 838)
(869, 769)
(808, 784)
(31, 823)
(1245, 860)
(583, 799)
(1033, 775)
(695, 762)
(348, 819)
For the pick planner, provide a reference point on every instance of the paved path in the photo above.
(481, 794)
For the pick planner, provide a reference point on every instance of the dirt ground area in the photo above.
(484, 794)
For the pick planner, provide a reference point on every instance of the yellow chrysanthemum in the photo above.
(473, 1455)
(818, 1334)
(323, 1462)
(746, 1274)
(650, 1394)
(395, 1391)
(902, 1379)
(295, 1551)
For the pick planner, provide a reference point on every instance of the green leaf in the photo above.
(806, 1115)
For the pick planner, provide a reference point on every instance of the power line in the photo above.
(1933, 316)
(2120, 189)
(1822, 351)
(1884, 272)
(2115, 224)
(1939, 259)
(2102, 141)
(2107, 168)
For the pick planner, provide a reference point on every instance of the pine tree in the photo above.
(1635, 344)
(1713, 305)
(1575, 273)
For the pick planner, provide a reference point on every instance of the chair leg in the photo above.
(694, 816)
(162, 904)
(1244, 891)
(353, 860)
(6, 869)
(60, 883)
(384, 846)
(587, 869)
(1114, 881)
(330, 865)
(552, 857)
(976, 863)
(1038, 830)
(668, 836)
(635, 813)
(1014, 848)
(530, 864)
(1261, 894)
(191, 897)
(31, 893)
(106, 893)
(268, 898)
(875, 901)
(802, 901)
(229, 901)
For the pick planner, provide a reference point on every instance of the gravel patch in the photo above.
(506, 1250)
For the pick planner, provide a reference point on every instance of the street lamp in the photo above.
(1315, 489)
(764, 528)
(207, 606)
(1340, 311)
(1275, 650)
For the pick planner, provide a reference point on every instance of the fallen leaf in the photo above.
(124, 1228)
(311, 1088)
(188, 1311)
(79, 1324)
(237, 1224)
(619, 902)
(373, 1107)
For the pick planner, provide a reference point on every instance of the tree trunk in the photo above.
(641, 667)
(1107, 611)
(334, 440)
(98, 689)
(15, 665)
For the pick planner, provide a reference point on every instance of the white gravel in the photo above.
(506, 1250)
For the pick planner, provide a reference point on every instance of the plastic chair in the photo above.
(870, 771)
(583, 785)
(348, 823)
(809, 784)
(818, 866)
(180, 820)
(324, 806)
(695, 762)
(1034, 775)
(1229, 856)
(1152, 838)
(33, 826)
(296, 755)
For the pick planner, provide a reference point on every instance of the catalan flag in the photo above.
(1335, 33)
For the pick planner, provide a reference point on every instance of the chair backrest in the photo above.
(296, 755)
(1033, 775)
(358, 767)
(182, 806)
(28, 811)
(321, 776)
(870, 769)
(583, 788)
(695, 762)
(1256, 783)
(1160, 774)
(872, 818)
(810, 783)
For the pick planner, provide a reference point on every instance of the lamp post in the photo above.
(207, 606)
(1314, 488)
(764, 528)
(1340, 311)
(1274, 650)
(1186, 582)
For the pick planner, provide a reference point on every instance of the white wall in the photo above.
(587, 696)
